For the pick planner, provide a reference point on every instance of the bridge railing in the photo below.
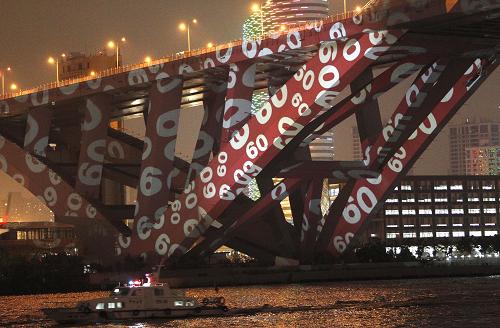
(181, 55)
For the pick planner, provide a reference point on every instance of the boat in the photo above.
(138, 301)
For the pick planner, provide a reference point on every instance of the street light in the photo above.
(147, 60)
(257, 7)
(2, 72)
(210, 45)
(55, 61)
(113, 45)
(13, 87)
(186, 27)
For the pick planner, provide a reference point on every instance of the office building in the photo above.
(427, 210)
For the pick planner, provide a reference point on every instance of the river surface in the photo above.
(443, 302)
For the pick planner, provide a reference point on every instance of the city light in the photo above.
(2, 73)
(358, 9)
(115, 45)
(186, 27)
(147, 59)
(210, 45)
(13, 87)
(255, 7)
(55, 61)
(92, 73)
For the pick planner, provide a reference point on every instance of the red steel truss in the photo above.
(316, 77)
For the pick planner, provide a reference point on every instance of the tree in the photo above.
(465, 245)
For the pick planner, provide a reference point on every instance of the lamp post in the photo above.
(257, 7)
(116, 45)
(55, 61)
(8, 69)
(186, 27)
(345, 8)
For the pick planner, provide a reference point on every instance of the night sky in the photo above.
(33, 30)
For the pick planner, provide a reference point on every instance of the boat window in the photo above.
(178, 303)
(99, 306)
(119, 305)
(158, 292)
(111, 305)
(120, 291)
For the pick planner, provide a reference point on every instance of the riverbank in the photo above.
(304, 274)
(251, 275)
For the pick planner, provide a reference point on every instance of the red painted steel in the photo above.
(195, 207)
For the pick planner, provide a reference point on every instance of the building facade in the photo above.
(466, 141)
(430, 209)
(77, 64)
(482, 160)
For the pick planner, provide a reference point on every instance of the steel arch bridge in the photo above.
(316, 76)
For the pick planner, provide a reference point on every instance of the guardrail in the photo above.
(180, 55)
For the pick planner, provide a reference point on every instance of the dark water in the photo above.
(451, 302)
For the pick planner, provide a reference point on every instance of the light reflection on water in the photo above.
(452, 302)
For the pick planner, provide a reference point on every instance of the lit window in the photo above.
(457, 211)
(408, 200)
(458, 234)
(99, 306)
(442, 234)
(441, 187)
(475, 233)
(392, 200)
(456, 187)
(473, 199)
(391, 226)
(427, 211)
(405, 187)
(441, 200)
(189, 303)
(441, 211)
(489, 210)
(178, 303)
(487, 187)
(409, 235)
(391, 212)
(489, 199)
(111, 305)
(408, 212)
(489, 233)
(474, 211)
(391, 235)
(119, 305)
(426, 234)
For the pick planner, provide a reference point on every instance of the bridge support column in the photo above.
(38, 124)
(93, 146)
(153, 192)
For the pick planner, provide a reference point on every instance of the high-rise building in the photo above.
(466, 139)
(275, 15)
(482, 160)
(291, 13)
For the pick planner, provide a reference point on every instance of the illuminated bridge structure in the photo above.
(317, 76)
